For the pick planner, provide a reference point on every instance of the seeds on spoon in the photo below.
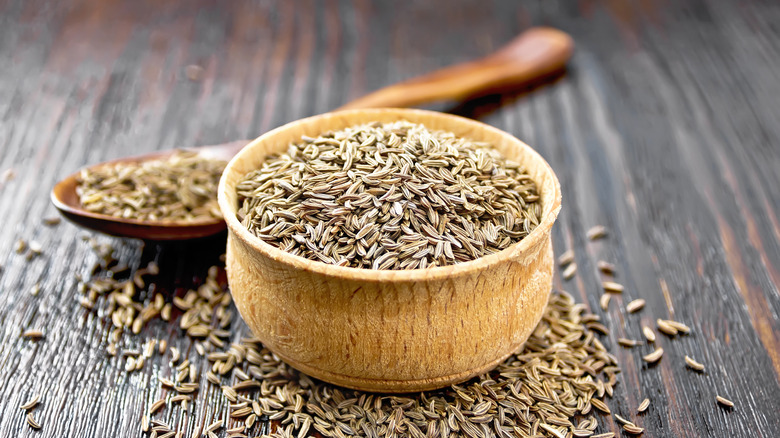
(182, 187)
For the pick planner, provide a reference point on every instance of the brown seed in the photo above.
(633, 429)
(600, 405)
(193, 72)
(597, 232)
(724, 401)
(693, 364)
(156, 406)
(569, 272)
(680, 327)
(635, 305)
(611, 286)
(628, 343)
(622, 420)
(33, 334)
(655, 356)
(31, 421)
(33, 402)
(648, 332)
(213, 426)
(604, 435)
(604, 301)
(555, 432)
(666, 328)
(145, 424)
(605, 267)
(643, 406)
(51, 221)
(566, 258)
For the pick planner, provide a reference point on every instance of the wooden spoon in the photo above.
(535, 54)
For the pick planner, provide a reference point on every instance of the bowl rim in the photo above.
(362, 274)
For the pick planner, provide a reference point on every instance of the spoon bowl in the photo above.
(66, 200)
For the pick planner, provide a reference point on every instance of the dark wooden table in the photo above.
(666, 129)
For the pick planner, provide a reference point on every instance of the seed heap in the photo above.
(182, 187)
(389, 196)
(548, 389)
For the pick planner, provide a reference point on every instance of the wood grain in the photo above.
(666, 129)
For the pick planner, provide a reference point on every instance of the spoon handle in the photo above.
(536, 53)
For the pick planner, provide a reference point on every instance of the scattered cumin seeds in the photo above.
(31, 421)
(33, 402)
(605, 267)
(611, 286)
(633, 429)
(569, 272)
(628, 343)
(643, 406)
(566, 258)
(51, 221)
(649, 334)
(604, 435)
(622, 420)
(35, 247)
(724, 401)
(33, 334)
(156, 406)
(145, 424)
(666, 328)
(655, 356)
(600, 405)
(193, 72)
(213, 426)
(635, 306)
(692, 364)
(680, 327)
(597, 232)
(604, 301)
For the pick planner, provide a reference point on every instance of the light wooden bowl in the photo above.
(390, 331)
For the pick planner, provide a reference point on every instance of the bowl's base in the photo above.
(395, 386)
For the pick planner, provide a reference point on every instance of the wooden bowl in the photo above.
(390, 331)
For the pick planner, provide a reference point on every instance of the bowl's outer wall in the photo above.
(406, 332)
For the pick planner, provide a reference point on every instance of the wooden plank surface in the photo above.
(666, 129)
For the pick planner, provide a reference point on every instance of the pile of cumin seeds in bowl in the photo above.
(389, 196)
(182, 187)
